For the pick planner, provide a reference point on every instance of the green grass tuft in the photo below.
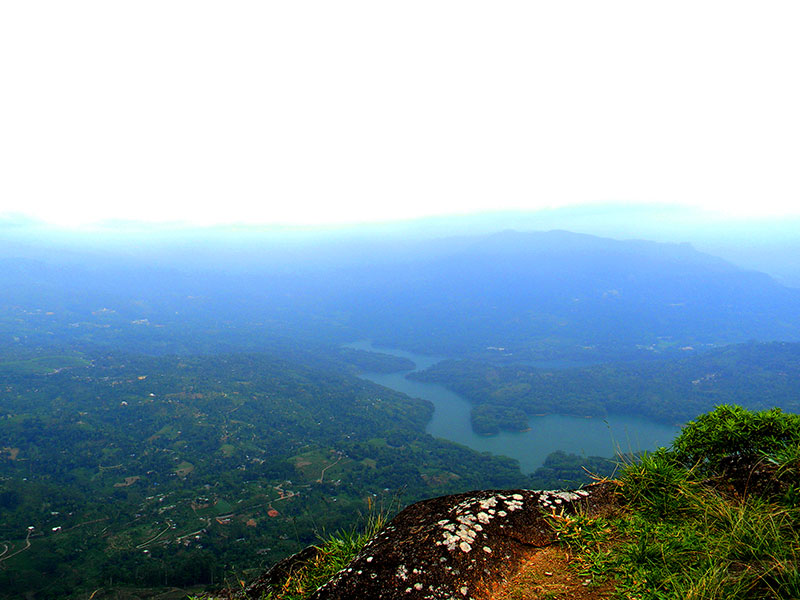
(334, 553)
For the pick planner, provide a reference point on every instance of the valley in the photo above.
(166, 425)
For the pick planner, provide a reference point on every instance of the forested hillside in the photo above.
(121, 469)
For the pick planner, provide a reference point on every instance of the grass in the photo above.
(227, 450)
(334, 554)
(311, 464)
(42, 365)
(681, 534)
(184, 469)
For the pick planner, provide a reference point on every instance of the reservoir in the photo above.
(598, 436)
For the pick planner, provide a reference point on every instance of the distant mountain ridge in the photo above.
(518, 289)
(553, 294)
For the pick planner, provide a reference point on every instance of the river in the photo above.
(579, 435)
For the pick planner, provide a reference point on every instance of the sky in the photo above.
(336, 112)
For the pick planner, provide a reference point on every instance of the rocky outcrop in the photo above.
(271, 580)
(456, 547)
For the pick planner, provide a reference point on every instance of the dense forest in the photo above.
(144, 471)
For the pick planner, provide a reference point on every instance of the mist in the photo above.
(770, 245)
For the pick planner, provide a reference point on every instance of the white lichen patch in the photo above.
(568, 496)
(451, 540)
(466, 519)
(549, 498)
(487, 549)
(469, 518)
(402, 572)
(465, 547)
(552, 496)
(489, 503)
(466, 534)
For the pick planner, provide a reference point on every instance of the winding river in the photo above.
(579, 435)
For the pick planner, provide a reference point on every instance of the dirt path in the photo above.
(546, 575)
(322, 474)
(154, 538)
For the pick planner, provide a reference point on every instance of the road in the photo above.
(154, 538)
(322, 474)
(27, 545)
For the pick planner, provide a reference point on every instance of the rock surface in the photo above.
(272, 579)
(457, 547)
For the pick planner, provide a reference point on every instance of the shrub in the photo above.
(731, 433)
(657, 485)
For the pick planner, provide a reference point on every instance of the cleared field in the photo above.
(42, 365)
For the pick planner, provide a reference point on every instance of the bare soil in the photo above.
(546, 574)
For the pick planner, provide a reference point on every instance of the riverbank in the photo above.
(605, 436)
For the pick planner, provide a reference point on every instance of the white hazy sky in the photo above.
(317, 112)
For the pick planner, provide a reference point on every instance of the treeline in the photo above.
(562, 470)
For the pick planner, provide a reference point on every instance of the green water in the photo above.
(584, 436)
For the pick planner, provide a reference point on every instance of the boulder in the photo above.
(457, 547)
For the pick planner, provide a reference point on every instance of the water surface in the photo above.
(580, 435)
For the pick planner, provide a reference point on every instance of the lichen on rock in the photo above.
(459, 546)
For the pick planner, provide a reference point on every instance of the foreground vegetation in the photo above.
(715, 516)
